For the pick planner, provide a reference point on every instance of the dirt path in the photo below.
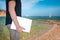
(52, 34)
(40, 32)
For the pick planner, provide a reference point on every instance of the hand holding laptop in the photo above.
(24, 23)
(19, 29)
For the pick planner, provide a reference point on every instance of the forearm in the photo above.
(14, 18)
(13, 14)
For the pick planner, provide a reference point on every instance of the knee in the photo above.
(8, 26)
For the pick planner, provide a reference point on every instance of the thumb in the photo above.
(23, 28)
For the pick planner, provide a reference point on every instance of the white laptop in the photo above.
(24, 22)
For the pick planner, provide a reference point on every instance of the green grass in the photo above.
(35, 29)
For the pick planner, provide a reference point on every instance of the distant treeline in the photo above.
(2, 10)
(43, 17)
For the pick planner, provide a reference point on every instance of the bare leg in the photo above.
(17, 35)
(14, 35)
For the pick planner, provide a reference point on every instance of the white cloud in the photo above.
(27, 4)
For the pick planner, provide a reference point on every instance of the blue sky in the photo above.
(41, 8)
(2, 4)
(38, 7)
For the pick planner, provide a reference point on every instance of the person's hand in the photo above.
(20, 29)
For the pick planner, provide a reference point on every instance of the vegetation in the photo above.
(37, 29)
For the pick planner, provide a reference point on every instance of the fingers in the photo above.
(20, 29)
(23, 28)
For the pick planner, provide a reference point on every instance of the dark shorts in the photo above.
(8, 18)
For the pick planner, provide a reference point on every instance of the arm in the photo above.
(12, 12)
(13, 15)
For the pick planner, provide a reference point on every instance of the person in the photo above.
(13, 9)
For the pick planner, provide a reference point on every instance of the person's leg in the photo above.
(12, 32)
(8, 26)
(14, 35)
(17, 35)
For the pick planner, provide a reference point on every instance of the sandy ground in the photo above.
(52, 34)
